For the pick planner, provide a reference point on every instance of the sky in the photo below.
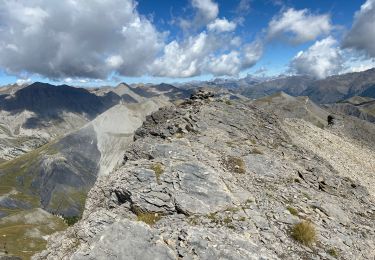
(104, 42)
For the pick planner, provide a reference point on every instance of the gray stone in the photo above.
(127, 240)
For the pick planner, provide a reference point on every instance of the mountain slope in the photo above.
(32, 115)
(47, 100)
(57, 176)
(215, 179)
(329, 90)
(294, 85)
(286, 106)
(340, 87)
(361, 107)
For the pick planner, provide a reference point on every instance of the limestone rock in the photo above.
(197, 206)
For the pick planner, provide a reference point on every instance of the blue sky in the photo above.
(177, 41)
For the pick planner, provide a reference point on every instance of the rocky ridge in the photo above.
(212, 178)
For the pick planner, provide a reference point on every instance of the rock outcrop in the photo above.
(211, 179)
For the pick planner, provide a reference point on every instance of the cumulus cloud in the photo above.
(226, 64)
(221, 25)
(252, 53)
(299, 26)
(183, 59)
(198, 55)
(72, 40)
(206, 12)
(212, 51)
(60, 39)
(362, 34)
(322, 59)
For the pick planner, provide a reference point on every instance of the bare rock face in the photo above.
(209, 179)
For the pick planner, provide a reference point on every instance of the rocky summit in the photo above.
(218, 178)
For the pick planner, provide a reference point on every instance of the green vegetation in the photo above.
(292, 211)
(158, 168)
(228, 102)
(70, 196)
(227, 220)
(333, 252)
(71, 220)
(234, 164)
(212, 216)
(304, 232)
(19, 172)
(22, 238)
(22, 232)
(150, 218)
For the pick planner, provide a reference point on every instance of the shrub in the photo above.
(227, 220)
(304, 232)
(234, 164)
(71, 220)
(159, 170)
(292, 210)
(150, 218)
(333, 252)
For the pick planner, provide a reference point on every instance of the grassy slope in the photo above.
(22, 232)
(20, 237)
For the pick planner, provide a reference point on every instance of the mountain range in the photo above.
(329, 90)
(60, 143)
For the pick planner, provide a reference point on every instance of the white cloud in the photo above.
(198, 55)
(206, 12)
(226, 64)
(356, 61)
(362, 34)
(89, 39)
(68, 80)
(251, 54)
(183, 59)
(21, 82)
(221, 25)
(80, 40)
(322, 59)
(361, 67)
(114, 61)
(299, 26)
